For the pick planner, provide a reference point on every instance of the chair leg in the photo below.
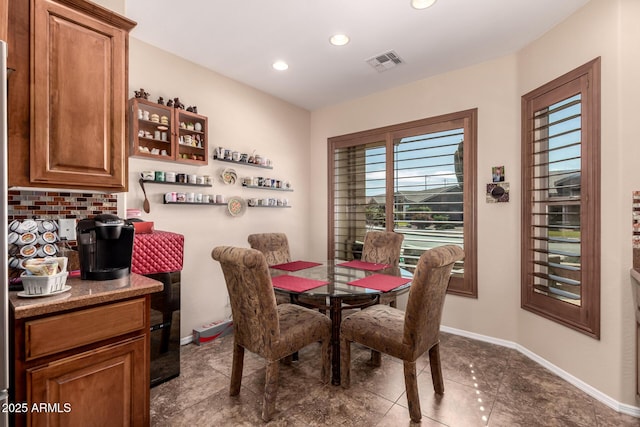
(411, 386)
(270, 390)
(436, 369)
(236, 369)
(376, 358)
(325, 354)
(345, 363)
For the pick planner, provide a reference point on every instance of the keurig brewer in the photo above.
(105, 245)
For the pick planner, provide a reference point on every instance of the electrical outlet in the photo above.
(67, 228)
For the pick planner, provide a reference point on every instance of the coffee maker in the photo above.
(105, 245)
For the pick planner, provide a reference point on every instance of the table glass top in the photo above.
(338, 278)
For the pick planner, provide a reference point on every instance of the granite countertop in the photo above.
(84, 293)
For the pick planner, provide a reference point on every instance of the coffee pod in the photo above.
(28, 251)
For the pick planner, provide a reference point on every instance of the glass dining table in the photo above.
(336, 285)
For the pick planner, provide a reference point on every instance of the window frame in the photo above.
(467, 286)
(586, 317)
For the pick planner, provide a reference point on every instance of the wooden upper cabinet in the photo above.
(78, 64)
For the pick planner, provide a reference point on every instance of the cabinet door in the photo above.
(151, 130)
(191, 138)
(79, 99)
(105, 387)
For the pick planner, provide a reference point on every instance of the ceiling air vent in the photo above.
(385, 61)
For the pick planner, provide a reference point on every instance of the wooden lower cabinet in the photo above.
(105, 387)
(84, 367)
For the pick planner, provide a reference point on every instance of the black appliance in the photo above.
(105, 245)
(165, 328)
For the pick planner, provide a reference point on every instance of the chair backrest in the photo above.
(426, 297)
(382, 247)
(253, 303)
(274, 246)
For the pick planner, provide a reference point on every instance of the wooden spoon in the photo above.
(145, 205)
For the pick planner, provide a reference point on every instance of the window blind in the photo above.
(556, 200)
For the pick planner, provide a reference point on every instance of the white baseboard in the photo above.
(186, 340)
(634, 411)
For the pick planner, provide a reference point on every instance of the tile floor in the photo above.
(485, 385)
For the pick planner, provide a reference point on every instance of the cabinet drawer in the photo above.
(66, 331)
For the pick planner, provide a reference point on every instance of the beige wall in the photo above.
(241, 118)
(602, 28)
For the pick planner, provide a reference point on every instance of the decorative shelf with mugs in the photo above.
(235, 205)
(268, 202)
(222, 154)
(173, 178)
(193, 198)
(165, 132)
(262, 183)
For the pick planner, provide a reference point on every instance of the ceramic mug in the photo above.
(148, 175)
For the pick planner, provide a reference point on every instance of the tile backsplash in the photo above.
(24, 204)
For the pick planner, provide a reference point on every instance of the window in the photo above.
(415, 178)
(561, 200)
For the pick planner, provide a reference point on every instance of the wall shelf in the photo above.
(253, 165)
(172, 135)
(257, 187)
(195, 203)
(177, 183)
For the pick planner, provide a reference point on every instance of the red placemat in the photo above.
(295, 265)
(362, 265)
(294, 283)
(380, 282)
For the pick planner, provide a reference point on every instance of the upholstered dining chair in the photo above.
(262, 327)
(409, 334)
(383, 247)
(275, 247)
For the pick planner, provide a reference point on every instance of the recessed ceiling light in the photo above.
(422, 4)
(339, 39)
(280, 65)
